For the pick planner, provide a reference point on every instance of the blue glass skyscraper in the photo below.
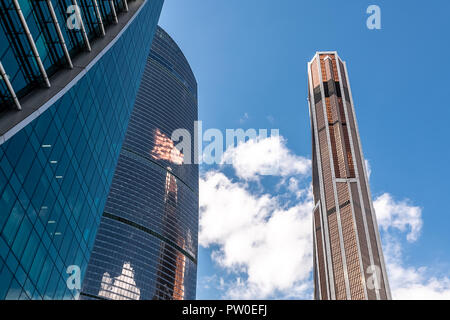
(146, 245)
(69, 74)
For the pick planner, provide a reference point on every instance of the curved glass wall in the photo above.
(146, 246)
(56, 171)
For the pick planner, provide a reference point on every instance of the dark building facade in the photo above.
(70, 71)
(348, 258)
(146, 246)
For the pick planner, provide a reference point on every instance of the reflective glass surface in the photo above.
(17, 56)
(55, 173)
(146, 246)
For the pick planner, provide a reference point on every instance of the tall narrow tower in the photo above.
(348, 259)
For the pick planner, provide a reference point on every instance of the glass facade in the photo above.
(56, 169)
(146, 245)
(22, 68)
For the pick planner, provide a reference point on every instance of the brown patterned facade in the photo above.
(348, 259)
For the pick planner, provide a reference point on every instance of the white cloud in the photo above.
(265, 243)
(399, 215)
(261, 238)
(406, 282)
(294, 187)
(268, 156)
(409, 282)
(225, 208)
(433, 289)
(424, 289)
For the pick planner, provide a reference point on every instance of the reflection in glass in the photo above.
(123, 287)
(151, 217)
(170, 275)
(164, 149)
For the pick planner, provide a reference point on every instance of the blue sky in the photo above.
(250, 57)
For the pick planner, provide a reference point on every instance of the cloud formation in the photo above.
(268, 156)
(410, 282)
(263, 237)
(399, 215)
(406, 282)
(257, 236)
